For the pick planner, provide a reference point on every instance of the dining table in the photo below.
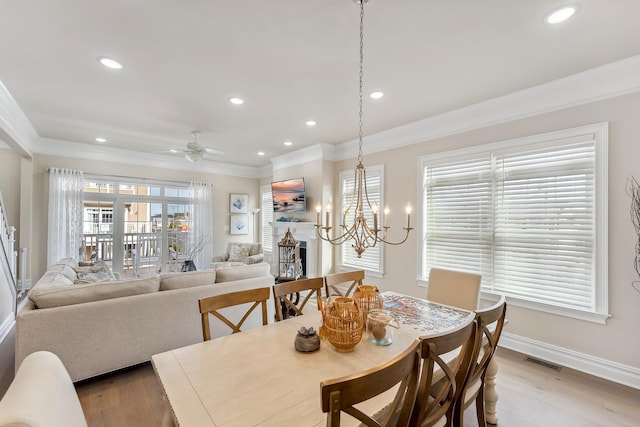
(257, 377)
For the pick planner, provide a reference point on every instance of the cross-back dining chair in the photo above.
(349, 278)
(342, 394)
(285, 307)
(454, 288)
(442, 377)
(212, 305)
(489, 324)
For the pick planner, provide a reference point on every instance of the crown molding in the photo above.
(16, 130)
(315, 152)
(607, 81)
(60, 148)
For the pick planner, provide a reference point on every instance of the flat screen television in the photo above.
(289, 196)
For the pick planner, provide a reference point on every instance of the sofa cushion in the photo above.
(227, 274)
(238, 253)
(98, 272)
(51, 280)
(66, 269)
(55, 296)
(189, 279)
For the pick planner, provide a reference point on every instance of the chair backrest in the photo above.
(211, 305)
(341, 394)
(351, 278)
(441, 378)
(489, 324)
(287, 306)
(41, 394)
(454, 288)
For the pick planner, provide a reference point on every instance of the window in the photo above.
(138, 228)
(372, 258)
(266, 207)
(528, 214)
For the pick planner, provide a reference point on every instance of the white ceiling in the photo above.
(291, 60)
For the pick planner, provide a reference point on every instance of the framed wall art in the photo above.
(238, 203)
(239, 224)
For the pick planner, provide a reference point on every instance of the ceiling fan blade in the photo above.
(213, 152)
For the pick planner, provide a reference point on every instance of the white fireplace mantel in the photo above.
(302, 231)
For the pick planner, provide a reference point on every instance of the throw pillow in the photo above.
(238, 253)
(99, 272)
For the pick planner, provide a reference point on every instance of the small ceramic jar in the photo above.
(307, 340)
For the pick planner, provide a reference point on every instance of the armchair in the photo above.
(239, 254)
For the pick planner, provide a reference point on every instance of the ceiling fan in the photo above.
(196, 151)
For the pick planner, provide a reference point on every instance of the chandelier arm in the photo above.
(336, 240)
(345, 212)
(406, 236)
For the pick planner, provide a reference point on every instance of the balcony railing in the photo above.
(140, 250)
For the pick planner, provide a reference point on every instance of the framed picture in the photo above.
(238, 203)
(239, 224)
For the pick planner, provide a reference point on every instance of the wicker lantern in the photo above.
(289, 262)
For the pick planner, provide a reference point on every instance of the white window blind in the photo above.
(458, 216)
(526, 215)
(371, 258)
(544, 229)
(266, 207)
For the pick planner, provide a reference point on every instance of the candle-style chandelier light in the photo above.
(360, 234)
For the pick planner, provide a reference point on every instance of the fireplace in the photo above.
(311, 248)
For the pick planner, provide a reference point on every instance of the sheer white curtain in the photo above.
(202, 224)
(65, 214)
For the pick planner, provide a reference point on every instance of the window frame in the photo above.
(342, 265)
(266, 232)
(118, 199)
(600, 313)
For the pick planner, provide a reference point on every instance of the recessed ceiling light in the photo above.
(260, 153)
(101, 140)
(561, 15)
(311, 123)
(376, 94)
(110, 63)
(288, 143)
(236, 101)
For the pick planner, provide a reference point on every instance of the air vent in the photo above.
(542, 363)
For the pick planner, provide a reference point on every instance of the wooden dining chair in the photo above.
(489, 324)
(212, 305)
(342, 394)
(454, 288)
(442, 376)
(282, 292)
(350, 279)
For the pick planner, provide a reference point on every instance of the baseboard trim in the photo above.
(6, 326)
(596, 366)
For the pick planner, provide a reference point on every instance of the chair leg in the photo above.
(480, 407)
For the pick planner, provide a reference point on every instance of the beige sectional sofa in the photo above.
(100, 327)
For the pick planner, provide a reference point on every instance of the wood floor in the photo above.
(530, 396)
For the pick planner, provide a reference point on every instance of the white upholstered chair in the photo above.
(41, 394)
(454, 288)
(238, 254)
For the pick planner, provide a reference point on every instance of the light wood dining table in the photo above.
(257, 378)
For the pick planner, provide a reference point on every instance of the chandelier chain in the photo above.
(361, 80)
(359, 231)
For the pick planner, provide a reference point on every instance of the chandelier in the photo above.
(360, 233)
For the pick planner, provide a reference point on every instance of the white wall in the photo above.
(617, 340)
(10, 164)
